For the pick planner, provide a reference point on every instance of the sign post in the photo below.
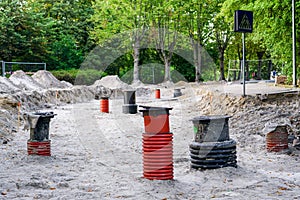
(244, 64)
(243, 22)
(3, 68)
(294, 46)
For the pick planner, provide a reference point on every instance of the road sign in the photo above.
(243, 21)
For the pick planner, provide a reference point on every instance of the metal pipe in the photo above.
(3, 68)
(294, 45)
(243, 65)
(29, 63)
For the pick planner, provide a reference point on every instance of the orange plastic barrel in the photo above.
(157, 93)
(104, 105)
(156, 119)
(277, 140)
(157, 124)
(39, 148)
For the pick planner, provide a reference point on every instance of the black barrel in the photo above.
(211, 128)
(129, 96)
(129, 106)
(212, 148)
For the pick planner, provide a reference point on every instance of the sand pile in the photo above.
(24, 81)
(112, 82)
(181, 84)
(7, 86)
(48, 80)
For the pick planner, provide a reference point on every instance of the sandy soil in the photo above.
(99, 155)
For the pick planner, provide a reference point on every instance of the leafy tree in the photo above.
(23, 31)
(272, 31)
(164, 32)
(223, 34)
(68, 38)
(65, 53)
(197, 20)
(124, 19)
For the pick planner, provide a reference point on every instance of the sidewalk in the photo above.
(251, 88)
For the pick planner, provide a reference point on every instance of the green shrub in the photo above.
(79, 77)
(65, 75)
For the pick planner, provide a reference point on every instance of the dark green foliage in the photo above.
(22, 32)
(79, 76)
(88, 77)
(182, 66)
(66, 75)
(65, 53)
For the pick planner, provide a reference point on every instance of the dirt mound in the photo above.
(181, 84)
(23, 81)
(66, 84)
(48, 80)
(112, 82)
(7, 86)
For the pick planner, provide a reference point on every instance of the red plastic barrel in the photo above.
(157, 124)
(277, 140)
(156, 119)
(157, 93)
(158, 156)
(39, 148)
(104, 105)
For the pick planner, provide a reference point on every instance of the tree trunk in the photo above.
(136, 56)
(270, 67)
(221, 59)
(199, 57)
(167, 76)
(240, 75)
(197, 61)
(259, 56)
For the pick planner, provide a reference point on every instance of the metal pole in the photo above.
(243, 65)
(153, 79)
(294, 45)
(45, 68)
(3, 68)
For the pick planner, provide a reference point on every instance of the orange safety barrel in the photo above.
(157, 93)
(156, 119)
(157, 124)
(104, 105)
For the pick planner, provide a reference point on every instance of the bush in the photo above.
(79, 77)
(65, 75)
